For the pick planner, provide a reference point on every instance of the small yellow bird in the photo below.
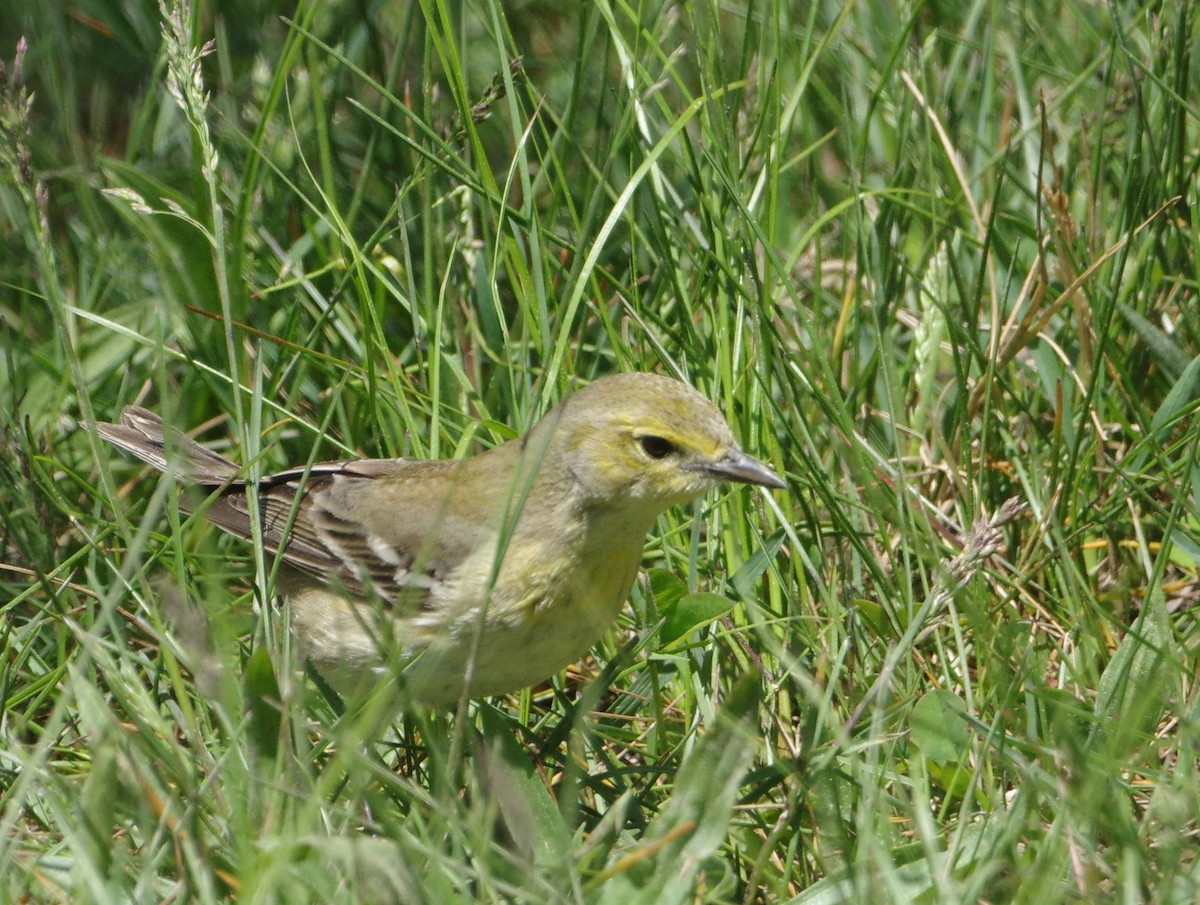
(485, 574)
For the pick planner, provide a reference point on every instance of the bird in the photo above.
(470, 577)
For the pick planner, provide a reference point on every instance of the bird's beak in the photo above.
(735, 465)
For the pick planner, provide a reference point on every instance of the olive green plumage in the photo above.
(484, 574)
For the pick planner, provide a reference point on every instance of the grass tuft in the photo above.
(937, 264)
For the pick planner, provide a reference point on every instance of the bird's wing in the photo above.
(314, 517)
(316, 520)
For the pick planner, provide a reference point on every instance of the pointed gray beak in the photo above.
(735, 465)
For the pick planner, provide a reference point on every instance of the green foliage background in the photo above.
(937, 263)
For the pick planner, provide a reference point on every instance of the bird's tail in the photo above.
(143, 434)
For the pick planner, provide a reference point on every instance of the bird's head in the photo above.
(645, 442)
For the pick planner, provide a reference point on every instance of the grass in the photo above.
(936, 263)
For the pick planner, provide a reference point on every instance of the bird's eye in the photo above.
(656, 447)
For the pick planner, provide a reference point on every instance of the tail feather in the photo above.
(143, 434)
(286, 528)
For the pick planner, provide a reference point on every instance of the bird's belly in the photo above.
(523, 643)
(512, 642)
